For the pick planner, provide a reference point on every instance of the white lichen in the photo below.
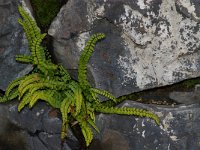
(161, 61)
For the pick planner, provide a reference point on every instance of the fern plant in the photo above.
(52, 83)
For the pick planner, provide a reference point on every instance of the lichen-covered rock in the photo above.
(12, 42)
(148, 43)
(179, 129)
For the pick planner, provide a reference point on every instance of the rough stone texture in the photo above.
(179, 130)
(12, 42)
(148, 43)
(35, 129)
(186, 97)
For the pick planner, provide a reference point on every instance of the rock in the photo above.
(186, 97)
(31, 129)
(34, 129)
(148, 43)
(30, 120)
(179, 129)
(12, 42)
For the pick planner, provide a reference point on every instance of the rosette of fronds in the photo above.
(52, 83)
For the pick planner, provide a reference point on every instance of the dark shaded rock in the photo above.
(30, 120)
(32, 129)
(12, 42)
(11, 136)
(179, 129)
(148, 43)
(51, 124)
(186, 97)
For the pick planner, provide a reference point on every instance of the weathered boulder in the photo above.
(179, 129)
(12, 42)
(35, 129)
(148, 43)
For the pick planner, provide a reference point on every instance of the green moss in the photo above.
(45, 11)
(190, 83)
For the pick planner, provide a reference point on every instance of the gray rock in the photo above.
(12, 42)
(192, 97)
(28, 119)
(179, 129)
(148, 43)
(32, 129)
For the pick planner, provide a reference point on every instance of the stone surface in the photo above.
(33, 129)
(179, 129)
(148, 43)
(12, 42)
(186, 97)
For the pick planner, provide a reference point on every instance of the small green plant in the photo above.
(52, 83)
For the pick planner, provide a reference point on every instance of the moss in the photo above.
(190, 83)
(45, 11)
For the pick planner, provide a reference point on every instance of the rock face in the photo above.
(148, 43)
(179, 129)
(36, 129)
(13, 42)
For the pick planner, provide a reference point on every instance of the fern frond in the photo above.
(128, 111)
(64, 73)
(44, 84)
(3, 99)
(36, 52)
(84, 59)
(92, 123)
(104, 93)
(46, 95)
(87, 133)
(13, 85)
(90, 112)
(14, 94)
(29, 79)
(65, 109)
(29, 25)
(77, 93)
(24, 58)
(47, 68)
(91, 96)
(24, 101)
